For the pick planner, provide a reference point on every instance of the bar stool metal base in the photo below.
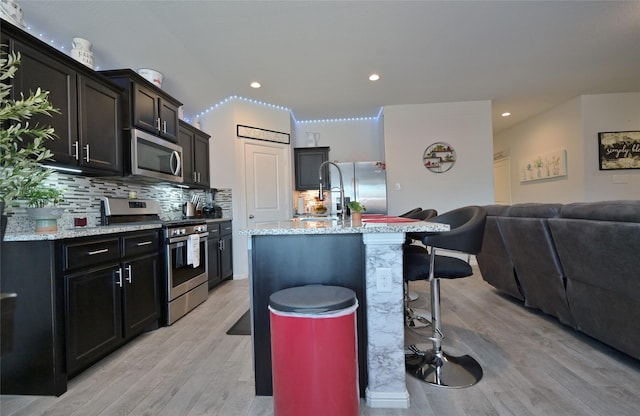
(443, 369)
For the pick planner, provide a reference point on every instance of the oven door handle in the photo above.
(185, 238)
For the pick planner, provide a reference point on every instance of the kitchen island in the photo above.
(302, 251)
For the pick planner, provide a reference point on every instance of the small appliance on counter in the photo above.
(212, 211)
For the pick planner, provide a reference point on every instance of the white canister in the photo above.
(152, 75)
(81, 52)
(81, 43)
(83, 56)
(11, 11)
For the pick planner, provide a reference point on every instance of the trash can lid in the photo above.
(312, 299)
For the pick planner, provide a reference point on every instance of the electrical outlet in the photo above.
(383, 279)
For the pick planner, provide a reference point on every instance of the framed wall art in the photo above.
(543, 166)
(619, 150)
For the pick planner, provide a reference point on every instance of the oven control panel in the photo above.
(186, 230)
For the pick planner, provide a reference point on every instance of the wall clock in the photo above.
(439, 157)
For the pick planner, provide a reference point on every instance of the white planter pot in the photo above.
(46, 218)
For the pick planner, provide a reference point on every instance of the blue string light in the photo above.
(250, 100)
(52, 42)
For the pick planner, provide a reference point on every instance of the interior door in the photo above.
(267, 184)
(502, 181)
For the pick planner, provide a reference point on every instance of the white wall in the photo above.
(559, 128)
(349, 140)
(410, 129)
(574, 126)
(226, 157)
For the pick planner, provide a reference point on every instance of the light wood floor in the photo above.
(532, 366)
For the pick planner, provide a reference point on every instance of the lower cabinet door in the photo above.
(93, 305)
(141, 299)
(226, 257)
(214, 261)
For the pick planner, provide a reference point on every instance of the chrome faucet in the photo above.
(320, 194)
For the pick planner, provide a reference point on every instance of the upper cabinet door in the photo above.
(100, 129)
(38, 70)
(168, 119)
(145, 108)
(307, 164)
(195, 155)
(201, 159)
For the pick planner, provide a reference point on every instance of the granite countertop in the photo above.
(298, 226)
(76, 232)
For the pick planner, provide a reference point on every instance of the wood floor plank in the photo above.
(533, 366)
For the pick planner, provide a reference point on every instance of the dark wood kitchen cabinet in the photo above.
(195, 155)
(145, 106)
(80, 299)
(220, 252)
(109, 304)
(307, 164)
(88, 127)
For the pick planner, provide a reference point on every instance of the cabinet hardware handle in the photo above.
(119, 273)
(251, 217)
(158, 124)
(195, 176)
(164, 126)
(221, 245)
(199, 177)
(75, 150)
(144, 243)
(129, 273)
(104, 250)
(87, 149)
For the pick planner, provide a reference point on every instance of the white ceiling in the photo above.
(314, 57)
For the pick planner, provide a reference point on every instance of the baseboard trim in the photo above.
(388, 400)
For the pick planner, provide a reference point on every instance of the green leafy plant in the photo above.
(41, 196)
(356, 206)
(22, 145)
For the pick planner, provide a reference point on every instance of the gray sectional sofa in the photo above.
(577, 262)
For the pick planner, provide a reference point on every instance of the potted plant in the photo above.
(22, 149)
(356, 212)
(41, 207)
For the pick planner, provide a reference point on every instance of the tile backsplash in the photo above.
(82, 199)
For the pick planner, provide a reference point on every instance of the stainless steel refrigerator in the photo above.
(365, 182)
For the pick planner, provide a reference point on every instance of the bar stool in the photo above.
(435, 366)
(413, 317)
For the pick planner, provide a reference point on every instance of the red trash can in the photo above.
(314, 351)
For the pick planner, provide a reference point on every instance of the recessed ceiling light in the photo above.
(255, 84)
(374, 77)
(507, 114)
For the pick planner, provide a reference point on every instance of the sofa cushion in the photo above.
(535, 210)
(621, 211)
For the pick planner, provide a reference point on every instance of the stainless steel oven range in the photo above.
(185, 271)
(186, 267)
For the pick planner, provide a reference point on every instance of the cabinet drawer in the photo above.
(225, 228)
(214, 230)
(142, 243)
(90, 253)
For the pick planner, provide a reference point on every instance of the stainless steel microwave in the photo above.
(155, 158)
